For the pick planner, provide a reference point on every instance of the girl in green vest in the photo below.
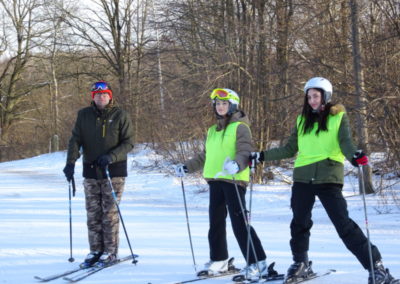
(321, 139)
(224, 162)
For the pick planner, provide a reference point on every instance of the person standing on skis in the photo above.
(104, 132)
(224, 162)
(322, 140)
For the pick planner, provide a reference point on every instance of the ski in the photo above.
(202, 275)
(199, 278)
(311, 277)
(262, 280)
(272, 275)
(92, 270)
(58, 275)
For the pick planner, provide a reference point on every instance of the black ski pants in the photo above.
(330, 195)
(223, 196)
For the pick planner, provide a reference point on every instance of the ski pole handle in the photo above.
(252, 165)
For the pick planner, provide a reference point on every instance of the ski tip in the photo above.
(40, 279)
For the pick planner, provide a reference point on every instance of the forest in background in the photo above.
(163, 58)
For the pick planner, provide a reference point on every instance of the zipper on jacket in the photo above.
(104, 128)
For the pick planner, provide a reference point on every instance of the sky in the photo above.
(34, 224)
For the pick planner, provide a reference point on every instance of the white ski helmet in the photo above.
(225, 94)
(320, 83)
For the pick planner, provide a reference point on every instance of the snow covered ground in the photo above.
(34, 225)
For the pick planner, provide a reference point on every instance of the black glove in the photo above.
(69, 170)
(103, 161)
(257, 156)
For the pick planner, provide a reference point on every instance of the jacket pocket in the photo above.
(330, 171)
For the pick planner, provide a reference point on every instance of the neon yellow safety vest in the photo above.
(314, 148)
(220, 145)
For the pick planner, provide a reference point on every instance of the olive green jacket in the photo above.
(325, 171)
(101, 132)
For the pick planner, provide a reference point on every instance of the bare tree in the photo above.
(54, 43)
(362, 128)
(108, 31)
(111, 32)
(284, 13)
(265, 50)
(20, 29)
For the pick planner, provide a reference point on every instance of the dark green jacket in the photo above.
(325, 171)
(98, 133)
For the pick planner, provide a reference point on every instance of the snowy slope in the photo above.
(34, 225)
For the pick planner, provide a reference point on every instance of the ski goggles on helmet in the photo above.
(225, 95)
(101, 87)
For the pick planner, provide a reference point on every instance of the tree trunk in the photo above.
(361, 115)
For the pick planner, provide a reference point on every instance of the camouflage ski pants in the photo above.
(102, 214)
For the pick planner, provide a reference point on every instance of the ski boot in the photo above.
(298, 271)
(214, 267)
(106, 258)
(252, 272)
(382, 275)
(91, 259)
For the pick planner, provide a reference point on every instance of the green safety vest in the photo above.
(314, 148)
(220, 145)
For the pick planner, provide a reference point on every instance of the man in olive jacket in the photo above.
(104, 133)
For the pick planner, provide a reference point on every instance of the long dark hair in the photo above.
(229, 115)
(309, 117)
(226, 119)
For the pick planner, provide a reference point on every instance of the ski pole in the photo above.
(361, 178)
(252, 169)
(71, 259)
(119, 213)
(73, 187)
(188, 225)
(249, 239)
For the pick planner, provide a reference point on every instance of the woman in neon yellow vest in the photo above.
(321, 139)
(225, 167)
